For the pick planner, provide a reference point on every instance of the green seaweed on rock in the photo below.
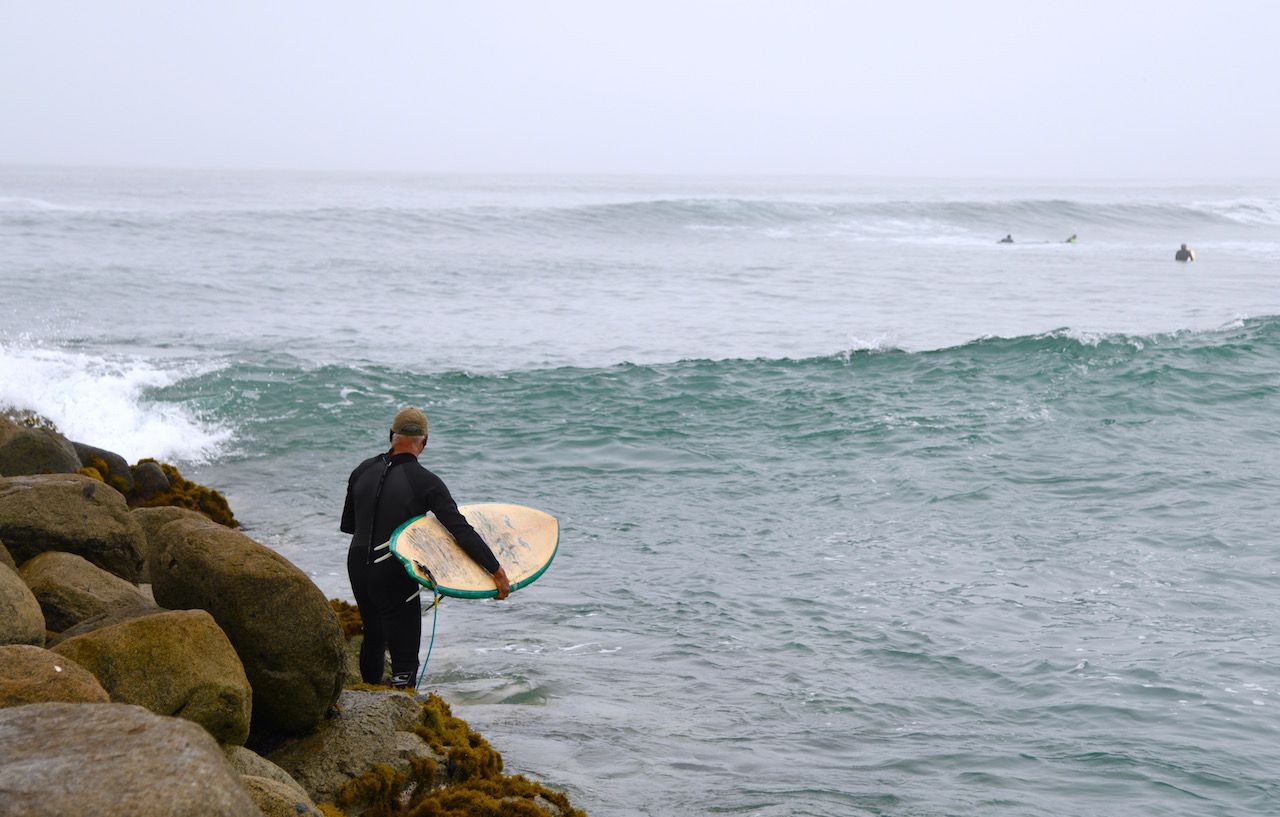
(348, 617)
(384, 792)
(99, 469)
(184, 493)
(467, 755)
(381, 787)
(514, 796)
(470, 784)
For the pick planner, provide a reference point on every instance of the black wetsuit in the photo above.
(401, 489)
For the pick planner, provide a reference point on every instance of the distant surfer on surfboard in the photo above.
(1184, 254)
(1006, 240)
(383, 492)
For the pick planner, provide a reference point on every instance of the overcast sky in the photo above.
(1163, 90)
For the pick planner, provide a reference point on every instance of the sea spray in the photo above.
(102, 401)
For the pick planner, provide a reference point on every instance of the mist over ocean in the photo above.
(862, 513)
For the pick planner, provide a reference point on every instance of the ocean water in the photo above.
(862, 513)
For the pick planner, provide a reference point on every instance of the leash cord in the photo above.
(435, 613)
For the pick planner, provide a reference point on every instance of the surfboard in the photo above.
(524, 539)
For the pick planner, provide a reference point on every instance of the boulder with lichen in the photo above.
(28, 450)
(21, 620)
(370, 727)
(71, 589)
(152, 520)
(73, 514)
(247, 762)
(173, 663)
(58, 759)
(33, 675)
(278, 620)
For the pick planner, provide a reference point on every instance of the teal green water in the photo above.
(861, 513)
(1025, 576)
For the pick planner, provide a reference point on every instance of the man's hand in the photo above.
(504, 586)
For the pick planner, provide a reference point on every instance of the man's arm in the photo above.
(440, 502)
(348, 513)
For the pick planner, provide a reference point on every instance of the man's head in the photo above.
(1184, 246)
(409, 427)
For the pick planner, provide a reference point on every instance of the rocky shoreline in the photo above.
(154, 660)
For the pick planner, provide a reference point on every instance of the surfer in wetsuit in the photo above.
(1006, 240)
(1071, 240)
(1184, 254)
(384, 492)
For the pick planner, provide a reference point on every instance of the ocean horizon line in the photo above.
(1180, 182)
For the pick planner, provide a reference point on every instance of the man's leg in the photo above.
(373, 646)
(401, 619)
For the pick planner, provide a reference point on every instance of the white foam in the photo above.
(100, 401)
(1260, 210)
(21, 203)
(880, 343)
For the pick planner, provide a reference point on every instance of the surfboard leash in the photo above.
(435, 613)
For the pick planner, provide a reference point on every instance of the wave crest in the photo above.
(103, 402)
(712, 214)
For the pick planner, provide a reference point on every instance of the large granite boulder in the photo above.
(21, 621)
(70, 589)
(371, 728)
(34, 451)
(249, 763)
(59, 759)
(152, 520)
(31, 675)
(173, 663)
(280, 623)
(74, 514)
(6, 559)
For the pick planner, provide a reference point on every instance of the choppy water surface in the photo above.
(861, 513)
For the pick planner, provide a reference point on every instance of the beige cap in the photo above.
(410, 422)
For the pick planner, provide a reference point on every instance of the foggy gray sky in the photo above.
(1161, 90)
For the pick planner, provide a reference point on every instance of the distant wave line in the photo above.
(695, 213)
(1262, 330)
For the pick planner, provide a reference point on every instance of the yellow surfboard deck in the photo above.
(524, 539)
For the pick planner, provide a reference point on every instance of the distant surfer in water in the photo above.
(1006, 240)
(1184, 254)
(1071, 240)
(383, 493)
